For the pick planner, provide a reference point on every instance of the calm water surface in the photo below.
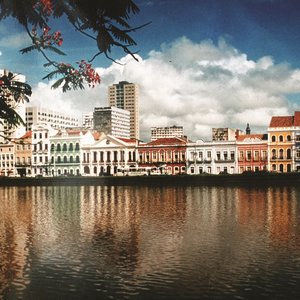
(106, 242)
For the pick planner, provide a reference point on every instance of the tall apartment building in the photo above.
(124, 95)
(6, 130)
(166, 132)
(39, 115)
(112, 120)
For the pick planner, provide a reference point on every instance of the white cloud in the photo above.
(196, 85)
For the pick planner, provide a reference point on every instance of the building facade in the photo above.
(109, 155)
(212, 157)
(166, 155)
(7, 159)
(23, 154)
(65, 150)
(40, 159)
(281, 144)
(39, 115)
(252, 151)
(166, 132)
(113, 121)
(125, 95)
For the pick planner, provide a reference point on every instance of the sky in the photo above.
(202, 64)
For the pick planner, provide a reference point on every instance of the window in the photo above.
(273, 138)
(288, 153)
(273, 154)
(281, 154)
(232, 155)
(256, 155)
(248, 155)
(288, 138)
(209, 155)
(280, 138)
(225, 155)
(218, 156)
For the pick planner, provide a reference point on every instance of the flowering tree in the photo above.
(103, 21)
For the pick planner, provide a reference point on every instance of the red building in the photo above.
(252, 150)
(165, 155)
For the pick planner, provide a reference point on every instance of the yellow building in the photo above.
(280, 143)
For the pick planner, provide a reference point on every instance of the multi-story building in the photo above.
(23, 153)
(281, 143)
(40, 160)
(212, 157)
(109, 155)
(7, 159)
(88, 120)
(167, 155)
(113, 121)
(252, 151)
(65, 150)
(36, 115)
(166, 132)
(125, 95)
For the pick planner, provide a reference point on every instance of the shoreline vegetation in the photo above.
(249, 179)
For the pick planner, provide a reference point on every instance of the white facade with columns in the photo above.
(108, 156)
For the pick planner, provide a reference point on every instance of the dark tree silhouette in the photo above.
(104, 21)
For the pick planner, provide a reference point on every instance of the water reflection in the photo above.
(140, 242)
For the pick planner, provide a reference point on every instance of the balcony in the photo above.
(224, 160)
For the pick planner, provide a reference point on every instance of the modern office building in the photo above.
(39, 115)
(112, 120)
(166, 132)
(125, 95)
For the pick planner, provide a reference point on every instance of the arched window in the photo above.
(288, 138)
(288, 153)
(71, 159)
(64, 147)
(52, 147)
(58, 159)
(281, 154)
(58, 147)
(280, 138)
(65, 159)
(273, 138)
(273, 154)
(77, 146)
(71, 147)
(281, 167)
(77, 159)
(95, 170)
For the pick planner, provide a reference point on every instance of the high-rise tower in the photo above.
(125, 95)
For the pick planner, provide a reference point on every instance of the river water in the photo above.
(108, 242)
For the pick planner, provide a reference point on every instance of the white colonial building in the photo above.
(213, 157)
(41, 149)
(108, 155)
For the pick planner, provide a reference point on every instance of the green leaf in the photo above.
(28, 49)
(57, 83)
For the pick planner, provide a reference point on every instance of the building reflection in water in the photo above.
(89, 233)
